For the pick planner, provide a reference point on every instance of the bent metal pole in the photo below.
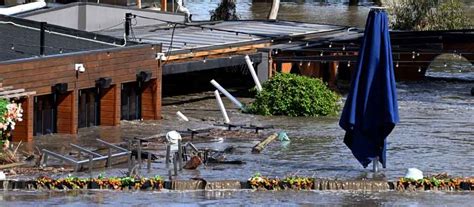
(221, 106)
(227, 94)
(252, 72)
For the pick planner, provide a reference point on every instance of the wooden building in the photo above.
(80, 79)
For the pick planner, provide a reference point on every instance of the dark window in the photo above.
(130, 101)
(44, 115)
(88, 113)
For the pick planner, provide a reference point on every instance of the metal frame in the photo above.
(93, 156)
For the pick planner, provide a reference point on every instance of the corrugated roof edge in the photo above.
(115, 49)
(203, 23)
(279, 20)
(276, 40)
(26, 14)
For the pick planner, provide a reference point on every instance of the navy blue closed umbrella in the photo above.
(371, 110)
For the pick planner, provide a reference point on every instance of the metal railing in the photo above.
(92, 156)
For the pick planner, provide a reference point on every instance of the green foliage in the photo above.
(295, 95)
(3, 109)
(448, 16)
(224, 11)
(427, 15)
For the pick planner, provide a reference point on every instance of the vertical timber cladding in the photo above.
(109, 106)
(22, 132)
(66, 109)
(40, 74)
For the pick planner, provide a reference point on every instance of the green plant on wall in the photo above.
(295, 95)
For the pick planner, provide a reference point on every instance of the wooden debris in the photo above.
(261, 145)
(12, 165)
(193, 163)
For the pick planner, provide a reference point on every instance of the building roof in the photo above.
(88, 16)
(214, 34)
(21, 39)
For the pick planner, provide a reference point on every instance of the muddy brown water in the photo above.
(435, 134)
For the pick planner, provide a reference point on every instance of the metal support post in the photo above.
(167, 157)
(375, 165)
(148, 163)
(175, 165)
(91, 159)
(109, 158)
(180, 155)
(139, 154)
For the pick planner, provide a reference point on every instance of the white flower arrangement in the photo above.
(9, 118)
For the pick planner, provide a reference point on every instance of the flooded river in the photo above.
(435, 134)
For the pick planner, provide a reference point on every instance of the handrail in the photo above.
(56, 155)
(86, 150)
(112, 146)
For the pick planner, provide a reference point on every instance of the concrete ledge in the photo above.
(180, 185)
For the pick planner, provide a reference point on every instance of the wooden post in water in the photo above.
(139, 3)
(164, 5)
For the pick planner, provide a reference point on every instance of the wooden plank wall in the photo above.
(22, 132)
(40, 74)
(110, 106)
(66, 116)
(151, 99)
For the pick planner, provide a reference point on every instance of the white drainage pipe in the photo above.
(252, 71)
(182, 116)
(22, 8)
(227, 94)
(221, 106)
(183, 9)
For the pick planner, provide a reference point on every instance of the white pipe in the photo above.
(252, 71)
(227, 94)
(182, 116)
(221, 106)
(22, 8)
(183, 9)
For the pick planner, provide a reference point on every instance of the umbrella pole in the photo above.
(375, 164)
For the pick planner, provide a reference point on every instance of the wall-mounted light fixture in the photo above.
(79, 67)
(59, 88)
(103, 82)
(144, 76)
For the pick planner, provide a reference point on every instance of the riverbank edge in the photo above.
(184, 185)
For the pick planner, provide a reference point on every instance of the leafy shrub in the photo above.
(224, 11)
(294, 95)
(427, 15)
